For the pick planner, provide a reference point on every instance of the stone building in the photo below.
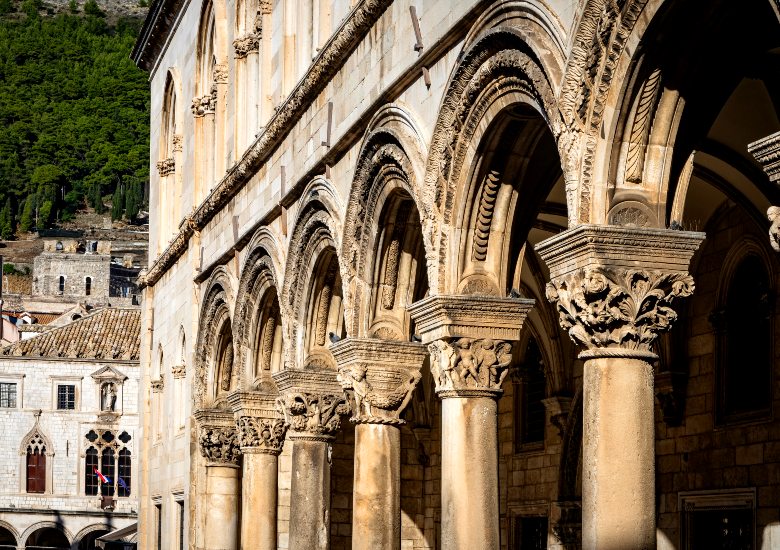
(461, 274)
(69, 404)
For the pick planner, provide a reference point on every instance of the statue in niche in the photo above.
(108, 395)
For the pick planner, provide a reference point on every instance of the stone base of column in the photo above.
(376, 506)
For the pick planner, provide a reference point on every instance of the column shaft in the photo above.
(310, 495)
(469, 473)
(376, 506)
(259, 501)
(618, 483)
(222, 514)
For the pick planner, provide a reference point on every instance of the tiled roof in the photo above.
(109, 333)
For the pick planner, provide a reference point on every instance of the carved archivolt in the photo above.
(215, 312)
(489, 70)
(618, 308)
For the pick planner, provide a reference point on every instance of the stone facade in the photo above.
(105, 401)
(461, 275)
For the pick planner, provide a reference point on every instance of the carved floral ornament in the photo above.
(313, 415)
(618, 308)
(219, 444)
(263, 435)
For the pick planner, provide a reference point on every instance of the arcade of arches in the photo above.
(545, 317)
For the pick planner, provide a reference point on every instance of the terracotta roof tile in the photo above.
(109, 333)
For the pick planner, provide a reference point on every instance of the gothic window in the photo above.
(108, 464)
(745, 344)
(61, 287)
(90, 477)
(88, 286)
(529, 392)
(36, 466)
(7, 395)
(66, 396)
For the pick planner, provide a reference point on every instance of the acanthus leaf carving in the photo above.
(313, 415)
(219, 444)
(265, 435)
(166, 167)
(617, 308)
(469, 364)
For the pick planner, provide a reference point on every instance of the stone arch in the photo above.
(214, 318)
(46, 525)
(12, 532)
(498, 70)
(390, 162)
(314, 240)
(258, 317)
(91, 529)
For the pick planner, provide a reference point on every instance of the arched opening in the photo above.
(324, 310)
(88, 541)
(268, 356)
(61, 285)
(88, 286)
(225, 379)
(7, 539)
(47, 538)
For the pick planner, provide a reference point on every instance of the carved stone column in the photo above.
(218, 442)
(261, 436)
(614, 288)
(767, 152)
(379, 376)
(470, 339)
(312, 402)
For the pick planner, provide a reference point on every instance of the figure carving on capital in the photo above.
(219, 444)
(312, 414)
(377, 406)
(617, 308)
(470, 364)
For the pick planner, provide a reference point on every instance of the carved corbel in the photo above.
(246, 44)
(379, 377)
(166, 167)
(158, 385)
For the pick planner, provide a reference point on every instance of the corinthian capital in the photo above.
(311, 402)
(614, 287)
(379, 376)
(261, 435)
(219, 444)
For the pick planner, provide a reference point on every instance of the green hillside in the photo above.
(74, 123)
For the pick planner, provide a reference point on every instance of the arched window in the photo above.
(745, 344)
(88, 286)
(107, 464)
(62, 284)
(36, 467)
(529, 392)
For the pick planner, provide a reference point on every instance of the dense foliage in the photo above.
(74, 126)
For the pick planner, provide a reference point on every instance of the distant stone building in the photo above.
(462, 275)
(68, 405)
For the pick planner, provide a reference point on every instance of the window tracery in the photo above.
(107, 463)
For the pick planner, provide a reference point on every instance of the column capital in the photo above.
(217, 437)
(379, 375)
(614, 286)
(261, 428)
(312, 403)
(470, 340)
(767, 152)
